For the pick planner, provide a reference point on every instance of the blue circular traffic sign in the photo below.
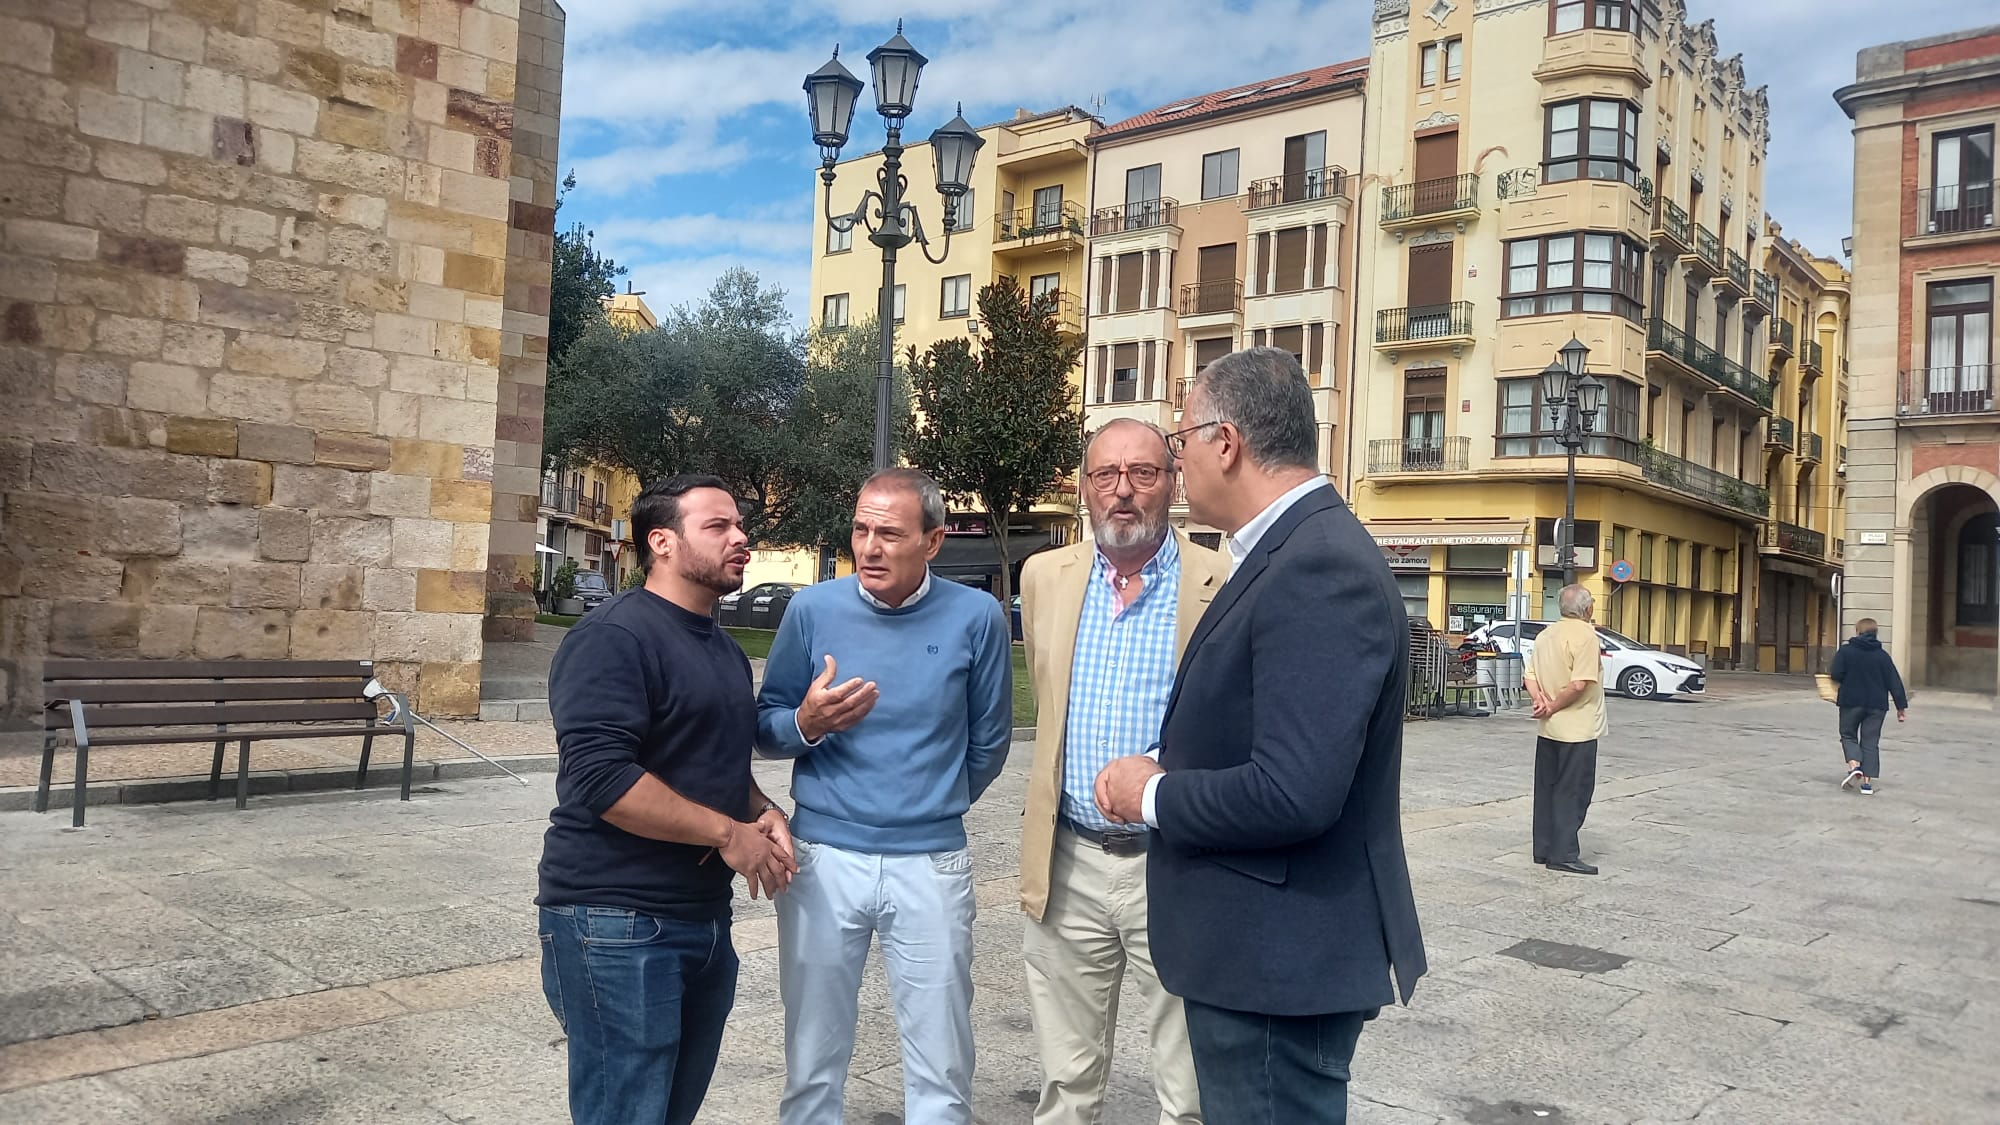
(1621, 571)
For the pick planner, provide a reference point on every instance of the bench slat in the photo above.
(97, 716)
(205, 691)
(257, 735)
(55, 670)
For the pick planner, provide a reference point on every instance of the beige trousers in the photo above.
(1094, 927)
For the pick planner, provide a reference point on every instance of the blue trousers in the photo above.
(1272, 1070)
(643, 1000)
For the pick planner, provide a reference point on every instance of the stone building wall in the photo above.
(255, 305)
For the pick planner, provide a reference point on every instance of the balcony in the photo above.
(1039, 229)
(1149, 214)
(1735, 274)
(556, 498)
(1955, 208)
(1791, 539)
(1810, 355)
(1704, 257)
(1697, 358)
(1436, 455)
(1422, 325)
(1429, 201)
(1840, 459)
(1671, 227)
(1703, 483)
(1784, 339)
(1812, 447)
(1779, 433)
(1946, 391)
(1299, 187)
(593, 511)
(1220, 297)
(1763, 293)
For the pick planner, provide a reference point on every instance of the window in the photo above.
(1218, 174)
(833, 311)
(1444, 59)
(1976, 549)
(901, 292)
(1044, 283)
(1592, 139)
(1291, 253)
(956, 296)
(1125, 373)
(1959, 360)
(961, 219)
(1581, 272)
(1131, 282)
(1961, 194)
(839, 241)
(1526, 430)
(1423, 416)
(1292, 339)
(1048, 208)
(1603, 15)
(1142, 197)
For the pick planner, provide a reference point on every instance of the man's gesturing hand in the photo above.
(752, 852)
(829, 707)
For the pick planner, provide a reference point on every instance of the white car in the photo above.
(1630, 668)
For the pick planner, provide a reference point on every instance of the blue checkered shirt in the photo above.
(1121, 676)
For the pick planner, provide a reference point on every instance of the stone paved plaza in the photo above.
(1762, 947)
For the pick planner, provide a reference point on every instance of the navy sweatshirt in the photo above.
(641, 685)
(1866, 675)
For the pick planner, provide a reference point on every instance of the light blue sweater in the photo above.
(899, 781)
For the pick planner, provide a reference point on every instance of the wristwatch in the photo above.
(769, 806)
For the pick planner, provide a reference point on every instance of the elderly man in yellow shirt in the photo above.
(1566, 683)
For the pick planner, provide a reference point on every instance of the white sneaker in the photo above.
(1852, 777)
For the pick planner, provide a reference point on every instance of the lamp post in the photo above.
(1574, 396)
(891, 220)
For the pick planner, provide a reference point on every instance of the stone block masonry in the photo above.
(273, 318)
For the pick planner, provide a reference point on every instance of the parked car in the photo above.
(1014, 614)
(760, 607)
(1507, 636)
(1634, 670)
(592, 589)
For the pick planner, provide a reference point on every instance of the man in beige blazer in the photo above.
(1104, 622)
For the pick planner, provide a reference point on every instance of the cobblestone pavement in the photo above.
(1762, 948)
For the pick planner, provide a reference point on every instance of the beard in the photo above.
(1150, 527)
(711, 574)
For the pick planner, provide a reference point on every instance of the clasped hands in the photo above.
(761, 851)
(1121, 788)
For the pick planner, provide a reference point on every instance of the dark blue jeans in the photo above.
(1272, 1070)
(643, 1000)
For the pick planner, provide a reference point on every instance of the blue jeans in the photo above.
(643, 1000)
(1272, 1070)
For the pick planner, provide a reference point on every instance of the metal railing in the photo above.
(1839, 549)
(595, 511)
(1718, 368)
(1299, 187)
(1430, 197)
(1779, 434)
(1702, 482)
(1810, 354)
(1143, 215)
(1024, 224)
(1956, 208)
(1205, 297)
(1794, 540)
(1965, 389)
(1764, 289)
(1738, 268)
(1423, 322)
(1672, 223)
(1431, 455)
(1812, 447)
(1708, 247)
(1783, 336)
(557, 497)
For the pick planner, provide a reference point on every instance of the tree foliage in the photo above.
(579, 279)
(726, 386)
(999, 426)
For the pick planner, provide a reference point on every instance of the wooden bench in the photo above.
(154, 702)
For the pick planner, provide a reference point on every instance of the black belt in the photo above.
(1113, 843)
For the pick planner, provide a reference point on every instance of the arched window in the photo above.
(1978, 598)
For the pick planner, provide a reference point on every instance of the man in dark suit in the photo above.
(1279, 896)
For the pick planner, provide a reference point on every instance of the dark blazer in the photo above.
(1277, 884)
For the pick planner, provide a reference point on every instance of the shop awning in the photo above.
(979, 554)
(1449, 533)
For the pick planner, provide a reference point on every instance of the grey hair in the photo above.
(1575, 601)
(1155, 430)
(930, 498)
(1263, 393)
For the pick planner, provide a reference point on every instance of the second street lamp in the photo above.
(1574, 397)
(891, 220)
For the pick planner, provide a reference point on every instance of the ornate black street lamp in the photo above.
(891, 220)
(1574, 397)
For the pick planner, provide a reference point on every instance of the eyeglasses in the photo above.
(1141, 476)
(1177, 441)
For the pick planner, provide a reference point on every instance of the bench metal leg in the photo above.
(361, 775)
(215, 773)
(243, 774)
(409, 758)
(82, 762)
(49, 741)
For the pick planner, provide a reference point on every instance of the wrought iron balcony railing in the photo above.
(558, 498)
(1033, 224)
(1956, 208)
(1430, 455)
(593, 510)
(1784, 337)
(1299, 187)
(1671, 224)
(1203, 298)
(1401, 202)
(1764, 289)
(1418, 323)
(1812, 447)
(1794, 540)
(1142, 215)
(1779, 434)
(1702, 482)
(1708, 247)
(1810, 354)
(1668, 340)
(1964, 389)
(1738, 269)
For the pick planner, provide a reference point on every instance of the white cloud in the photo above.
(631, 86)
(669, 282)
(768, 237)
(638, 165)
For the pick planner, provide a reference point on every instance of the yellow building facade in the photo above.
(1541, 170)
(1023, 218)
(585, 514)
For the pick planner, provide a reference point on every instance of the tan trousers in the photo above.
(1095, 926)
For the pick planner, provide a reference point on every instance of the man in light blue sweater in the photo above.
(886, 764)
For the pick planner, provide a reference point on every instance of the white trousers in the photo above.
(1093, 929)
(922, 908)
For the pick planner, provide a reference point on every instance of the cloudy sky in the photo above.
(685, 123)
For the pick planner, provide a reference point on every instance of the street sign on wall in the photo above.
(1621, 571)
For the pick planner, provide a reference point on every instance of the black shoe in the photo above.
(1542, 859)
(1572, 866)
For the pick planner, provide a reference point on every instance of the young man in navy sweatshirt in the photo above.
(887, 762)
(656, 814)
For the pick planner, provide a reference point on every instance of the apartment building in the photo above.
(585, 515)
(1542, 170)
(1024, 218)
(1221, 222)
(1805, 453)
(1924, 434)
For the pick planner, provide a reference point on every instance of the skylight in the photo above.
(1179, 108)
(1285, 85)
(1243, 93)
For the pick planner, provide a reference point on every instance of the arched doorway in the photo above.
(1955, 599)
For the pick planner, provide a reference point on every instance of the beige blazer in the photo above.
(1052, 589)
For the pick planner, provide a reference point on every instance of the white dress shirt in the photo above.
(1241, 544)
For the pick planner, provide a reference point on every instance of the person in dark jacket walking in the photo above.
(1868, 683)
